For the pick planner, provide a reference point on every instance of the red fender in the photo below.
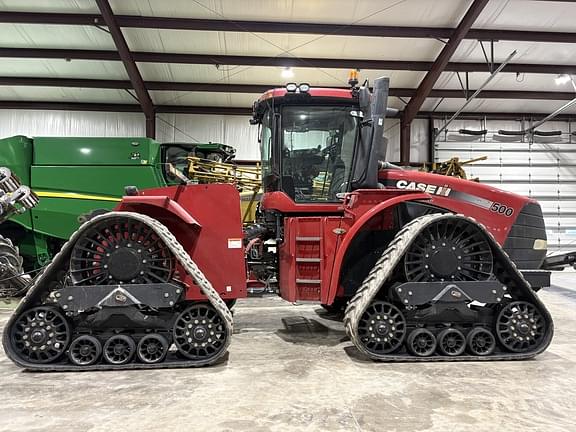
(328, 298)
(128, 203)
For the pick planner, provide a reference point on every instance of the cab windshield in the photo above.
(317, 145)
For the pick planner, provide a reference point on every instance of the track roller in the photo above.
(119, 349)
(85, 350)
(421, 342)
(480, 342)
(152, 348)
(451, 342)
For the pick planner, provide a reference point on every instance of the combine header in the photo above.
(14, 199)
(426, 266)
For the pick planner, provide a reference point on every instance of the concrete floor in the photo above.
(291, 369)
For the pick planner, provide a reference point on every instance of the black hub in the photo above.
(40, 335)
(421, 342)
(126, 263)
(451, 342)
(119, 349)
(520, 327)
(199, 332)
(449, 249)
(152, 348)
(120, 250)
(382, 328)
(481, 342)
(85, 350)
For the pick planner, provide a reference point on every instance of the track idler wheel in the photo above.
(451, 342)
(382, 328)
(85, 350)
(199, 332)
(119, 349)
(421, 343)
(40, 335)
(520, 327)
(152, 348)
(480, 342)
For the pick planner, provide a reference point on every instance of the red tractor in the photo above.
(426, 266)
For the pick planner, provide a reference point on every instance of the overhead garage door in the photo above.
(543, 168)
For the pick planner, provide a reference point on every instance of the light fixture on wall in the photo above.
(287, 72)
(565, 79)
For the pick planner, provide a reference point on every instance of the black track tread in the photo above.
(504, 268)
(39, 288)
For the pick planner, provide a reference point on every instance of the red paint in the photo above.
(314, 92)
(215, 210)
(283, 203)
(362, 208)
(163, 202)
(499, 225)
(316, 235)
(313, 250)
(306, 256)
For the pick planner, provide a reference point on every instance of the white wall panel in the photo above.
(70, 123)
(232, 130)
(418, 144)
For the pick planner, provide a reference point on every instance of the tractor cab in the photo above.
(318, 143)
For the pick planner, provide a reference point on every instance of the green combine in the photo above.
(74, 176)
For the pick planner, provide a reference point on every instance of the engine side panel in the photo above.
(515, 221)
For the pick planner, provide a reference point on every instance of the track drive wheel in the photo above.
(447, 250)
(40, 335)
(199, 333)
(119, 349)
(152, 348)
(421, 343)
(451, 342)
(382, 328)
(85, 350)
(120, 250)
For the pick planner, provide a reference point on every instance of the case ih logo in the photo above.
(424, 187)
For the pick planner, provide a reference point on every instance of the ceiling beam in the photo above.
(111, 107)
(187, 109)
(427, 84)
(166, 23)
(307, 62)
(130, 66)
(439, 65)
(261, 88)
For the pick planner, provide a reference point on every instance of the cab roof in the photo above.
(338, 93)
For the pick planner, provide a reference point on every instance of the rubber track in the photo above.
(505, 271)
(39, 287)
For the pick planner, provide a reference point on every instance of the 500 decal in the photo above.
(502, 209)
(424, 187)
